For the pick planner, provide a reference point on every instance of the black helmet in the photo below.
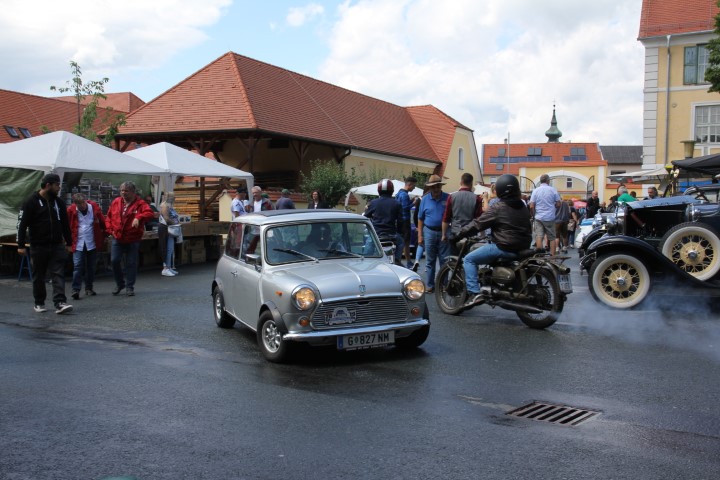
(507, 186)
(385, 187)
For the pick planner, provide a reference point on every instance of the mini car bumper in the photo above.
(402, 329)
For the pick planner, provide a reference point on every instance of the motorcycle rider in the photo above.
(510, 222)
(386, 216)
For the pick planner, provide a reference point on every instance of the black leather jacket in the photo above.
(510, 221)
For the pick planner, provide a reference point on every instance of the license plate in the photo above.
(565, 283)
(365, 340)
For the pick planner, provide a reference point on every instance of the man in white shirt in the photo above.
(87, 226)
(543, 202)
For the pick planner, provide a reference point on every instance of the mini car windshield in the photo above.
(312, 241)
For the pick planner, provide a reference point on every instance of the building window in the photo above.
(707, 124)
(696, 62)
(499, 166)
(461, 159)
(568, 182)
(501, 152)
(26, 133)
(532, 151)
(11, 131)
(574, 151)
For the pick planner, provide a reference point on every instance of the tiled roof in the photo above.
(556, 150)
(237, 93)
(437, 127)
(20, 110)
(622, 154)
(124, 102)
(668, 17)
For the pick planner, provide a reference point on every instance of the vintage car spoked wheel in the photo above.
(694, 248)
(543, 287)
(619, 281)
(222, 318)
(450, 295)
(273, 347)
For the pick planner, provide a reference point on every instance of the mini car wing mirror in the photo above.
(253, 259)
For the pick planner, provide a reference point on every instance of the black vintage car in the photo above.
(670, 241)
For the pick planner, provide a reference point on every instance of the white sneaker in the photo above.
(168, 273)
(173, 271)
(61, 308)
(39, 309)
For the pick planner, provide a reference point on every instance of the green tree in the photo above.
(712, 73)
(328, 178)
(87, 110)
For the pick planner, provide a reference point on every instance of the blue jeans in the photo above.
(124, 277)
(169, 252)
(435, 250)
(485, 255)
(83, 268)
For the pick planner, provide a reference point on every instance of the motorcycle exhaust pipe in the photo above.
(518, 306)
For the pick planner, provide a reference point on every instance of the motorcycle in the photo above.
(534, 285)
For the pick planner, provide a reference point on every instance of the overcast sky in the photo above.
(497, 66)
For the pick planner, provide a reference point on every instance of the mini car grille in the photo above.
(366, 311)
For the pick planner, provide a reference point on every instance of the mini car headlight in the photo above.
(304, 298)
(414, 289)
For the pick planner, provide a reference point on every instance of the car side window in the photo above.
(234, 240)
(251, 241)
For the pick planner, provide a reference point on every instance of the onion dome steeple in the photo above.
(553, 132)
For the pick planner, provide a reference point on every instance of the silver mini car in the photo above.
(319, 277)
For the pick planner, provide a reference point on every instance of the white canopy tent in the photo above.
(372, 190)
(175, 161)
(61, 152)
(656, 176)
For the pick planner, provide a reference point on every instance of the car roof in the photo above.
(269, 217)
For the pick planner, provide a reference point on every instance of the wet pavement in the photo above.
(148, 387)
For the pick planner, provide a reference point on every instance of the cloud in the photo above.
(38, 38)
(298, 16)
(499, 65)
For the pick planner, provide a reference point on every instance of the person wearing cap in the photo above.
(285, 202)
(430, 215)
(44, 214)
(238, 207)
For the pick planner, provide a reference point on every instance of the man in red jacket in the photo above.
(126, 223)
(87, 225)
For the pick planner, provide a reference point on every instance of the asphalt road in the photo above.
(147, 387)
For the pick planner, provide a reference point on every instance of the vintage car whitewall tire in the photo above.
(694, 248)
(222, 318)
(269, 338)
(619, 281)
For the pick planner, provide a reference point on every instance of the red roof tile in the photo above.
(668, 17)
(238, 93)
(124, 102)
(437, 127)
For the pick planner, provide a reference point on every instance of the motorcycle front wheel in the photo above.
(544, 288)
(450, 295)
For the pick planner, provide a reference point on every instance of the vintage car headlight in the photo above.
(304, 297)
(414, 289)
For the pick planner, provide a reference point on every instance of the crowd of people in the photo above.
(512, 222)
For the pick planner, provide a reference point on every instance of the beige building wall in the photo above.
(669, 105)
(579, 177)
(463, 158)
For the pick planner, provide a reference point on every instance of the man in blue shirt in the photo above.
(543, 202)
(430, 216)
(403, 198)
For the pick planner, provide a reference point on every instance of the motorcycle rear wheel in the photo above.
(543, 285)
(450, 296)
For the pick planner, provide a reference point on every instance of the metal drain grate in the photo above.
(560, 414)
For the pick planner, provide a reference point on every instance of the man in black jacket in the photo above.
(509, 220)
(45, 215)
(386, 216)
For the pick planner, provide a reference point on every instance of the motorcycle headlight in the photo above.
(304, 297)
(414, 289)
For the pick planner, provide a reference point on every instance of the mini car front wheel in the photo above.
(694, 248)
(619, 281)
(222, 318)
(269, 337)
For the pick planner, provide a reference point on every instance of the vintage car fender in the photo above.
(654, 260)
(275, 311)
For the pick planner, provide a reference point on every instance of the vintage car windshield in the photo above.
(302, 242)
